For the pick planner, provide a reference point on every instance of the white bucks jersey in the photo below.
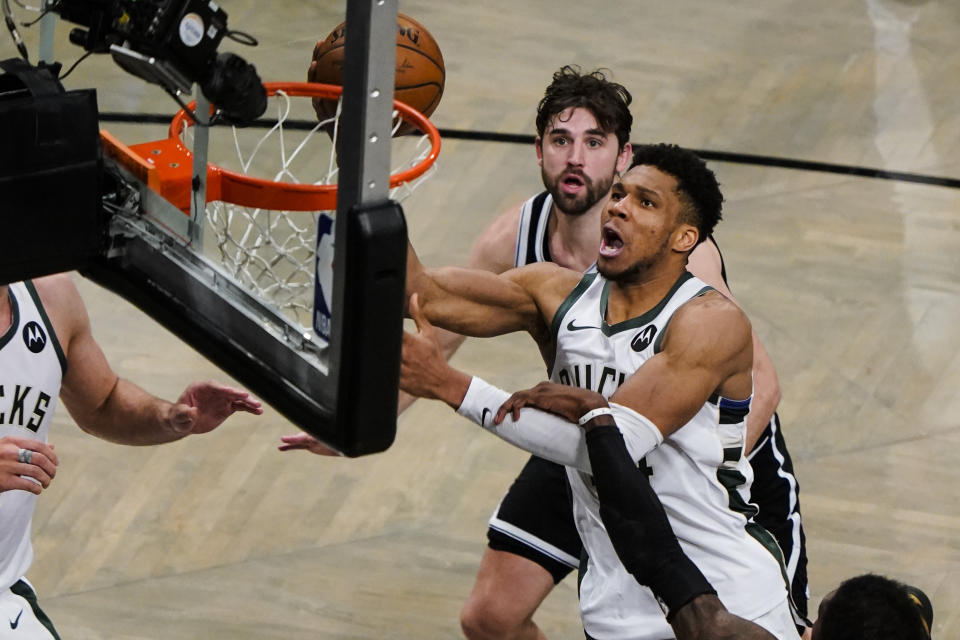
(32, 365)
(699, 473)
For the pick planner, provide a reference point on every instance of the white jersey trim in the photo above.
(532, 229)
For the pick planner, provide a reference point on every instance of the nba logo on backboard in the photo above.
(323, 280)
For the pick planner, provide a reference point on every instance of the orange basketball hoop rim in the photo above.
(165, 165)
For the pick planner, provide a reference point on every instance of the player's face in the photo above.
(578, 161)
(640, 224)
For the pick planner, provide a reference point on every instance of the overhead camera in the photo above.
(55, 164)
(172, 43)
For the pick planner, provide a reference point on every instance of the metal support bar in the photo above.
(48, 25)
(198, 190)
(363, 143)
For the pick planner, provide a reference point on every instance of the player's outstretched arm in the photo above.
(109, 407)
(493, 251)
(425, 373)
(474, 302)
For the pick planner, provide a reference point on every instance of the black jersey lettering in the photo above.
(17, 407)
(581, 375)
(39, 411)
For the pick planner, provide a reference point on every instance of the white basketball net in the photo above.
(272, 252)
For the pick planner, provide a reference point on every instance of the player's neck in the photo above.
(635, 296)
(574, 239)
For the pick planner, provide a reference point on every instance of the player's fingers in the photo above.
(297, 439)
(423, 325)
(30, 445)
(45, 464)
(33, 471)
(502, 411)
(409, 340)
(413, 307)
(40, 453)
(512, 406)
(248, 405)
(22, 484)
(51, 454)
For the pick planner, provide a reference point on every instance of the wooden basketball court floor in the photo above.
(853, 283)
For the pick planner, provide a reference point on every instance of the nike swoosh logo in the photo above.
(573, 327)
(16, 621)
(483, 416)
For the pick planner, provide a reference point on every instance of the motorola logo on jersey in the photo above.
(34, 337)
(643, 339)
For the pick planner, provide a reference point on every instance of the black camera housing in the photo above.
(168, 42)
(51, 174)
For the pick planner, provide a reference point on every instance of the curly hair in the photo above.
(872, 607)
(697, 186)
(608, 101)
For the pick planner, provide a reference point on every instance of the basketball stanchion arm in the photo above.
(198, 186)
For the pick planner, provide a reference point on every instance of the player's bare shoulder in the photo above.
(62, 302)
(711, 325)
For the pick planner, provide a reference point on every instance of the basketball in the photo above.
(419, 76)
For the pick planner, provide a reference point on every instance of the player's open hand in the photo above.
(424, 371)
(306, 442)
(22, 459)
(559, 399)
(203, 406)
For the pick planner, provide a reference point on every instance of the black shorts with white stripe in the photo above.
(535, 519)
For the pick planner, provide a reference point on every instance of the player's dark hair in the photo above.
(872, 607)
(697, 185)
(608, 101)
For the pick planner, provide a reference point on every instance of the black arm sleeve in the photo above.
(638, 525)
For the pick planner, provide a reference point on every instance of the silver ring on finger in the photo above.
(25, 456)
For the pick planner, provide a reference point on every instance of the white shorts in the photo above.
(779, 621)
(20, 617)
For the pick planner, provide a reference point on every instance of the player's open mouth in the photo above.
(572, 183)
(611, 244)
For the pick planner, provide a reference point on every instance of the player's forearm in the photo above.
(415, 274)
(541, 433)
(130, 416)
(706, 617)
(766, 394)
